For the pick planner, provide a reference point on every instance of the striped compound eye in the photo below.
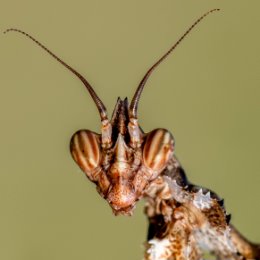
(158, 148)
(85, 150)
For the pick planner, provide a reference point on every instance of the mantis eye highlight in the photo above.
(85, 150)
(158, 148)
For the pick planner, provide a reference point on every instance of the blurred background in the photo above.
(206, 93)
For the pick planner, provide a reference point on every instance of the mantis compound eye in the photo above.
(158, 148)
(85, 150)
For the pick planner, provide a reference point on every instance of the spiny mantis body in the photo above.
(127, 164)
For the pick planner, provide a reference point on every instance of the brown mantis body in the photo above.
(127, 164)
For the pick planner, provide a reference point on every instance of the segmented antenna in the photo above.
(101, 107)
(134, 103)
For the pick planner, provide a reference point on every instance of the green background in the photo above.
(207, 94)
